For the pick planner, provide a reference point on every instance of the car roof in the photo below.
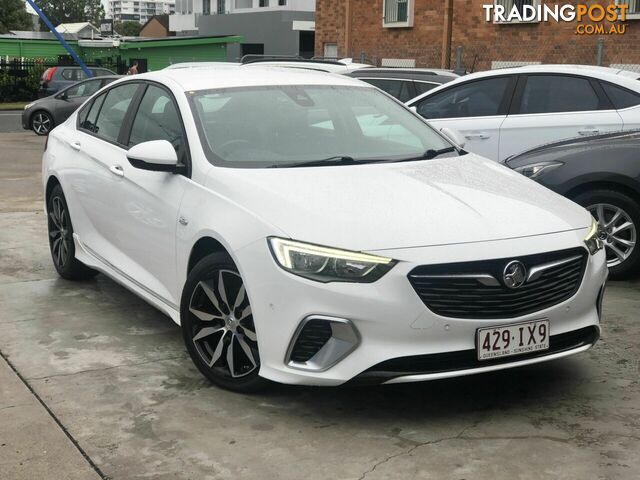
(403, 71)
(617, 76)
(239, 76)
(176, 66)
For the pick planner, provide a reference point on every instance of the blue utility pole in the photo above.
(66, 46)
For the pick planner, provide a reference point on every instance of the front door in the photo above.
(476, 109)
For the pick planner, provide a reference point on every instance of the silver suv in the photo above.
(55, 79)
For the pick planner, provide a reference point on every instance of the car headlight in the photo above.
(325, 264)
(592, 240)
(536, 170)
(29, 105)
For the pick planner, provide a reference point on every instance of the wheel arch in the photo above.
(603, 185)
(204, 246)
(51, 183)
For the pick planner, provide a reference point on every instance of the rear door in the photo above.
(98, 150)
(551, 107)
(626, 102)
(476, 109)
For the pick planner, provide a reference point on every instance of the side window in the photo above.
(620, 97)
(114, 108)
(473, 99)
(68, 74)
(558, 93)
(85, 89)
(89, 114)
(424, 87)
(157, 119)
(399, 89)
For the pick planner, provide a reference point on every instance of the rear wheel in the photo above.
(41, 122)
(63, 250)
(618, 217)
(217, 325)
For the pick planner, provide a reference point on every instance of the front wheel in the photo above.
(618, 217)
(217, 325)
(41, 122)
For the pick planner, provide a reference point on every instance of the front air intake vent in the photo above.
(313, 336)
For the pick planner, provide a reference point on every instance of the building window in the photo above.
(331, 50)
(282, 3)
(519, 5)
(244, 3)
(633, 12)
(222, 7)
(397, 13)
(263, 3)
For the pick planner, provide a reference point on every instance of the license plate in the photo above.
(515, 339)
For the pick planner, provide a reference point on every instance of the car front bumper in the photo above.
(390, 319)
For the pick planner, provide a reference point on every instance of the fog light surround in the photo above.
(343, 340)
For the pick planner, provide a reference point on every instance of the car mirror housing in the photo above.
(156, 156)
(454, 135)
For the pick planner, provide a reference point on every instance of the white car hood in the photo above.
(400, 205)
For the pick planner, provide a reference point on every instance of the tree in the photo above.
(128, 29)
(14, 16)
(69, 11)
(94, 12)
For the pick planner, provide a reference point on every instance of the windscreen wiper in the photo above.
(325, 162)
(431, 154)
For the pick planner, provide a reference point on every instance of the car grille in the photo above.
(468, 359)
(476, 290)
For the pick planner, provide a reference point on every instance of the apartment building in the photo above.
(445, 33)
(138, 10)
(270, 27)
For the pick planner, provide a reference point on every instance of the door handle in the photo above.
(77, 146)
(477, 136)
(589, 131)
(117, 170)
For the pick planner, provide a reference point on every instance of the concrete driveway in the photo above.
(109, 391)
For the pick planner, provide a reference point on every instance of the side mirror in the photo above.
(156, 156)
(63, 96)
(414, 109)
(454, 135)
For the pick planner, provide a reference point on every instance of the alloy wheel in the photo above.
(616, 230)
(59, 234)
(41, 123)
(222, 331)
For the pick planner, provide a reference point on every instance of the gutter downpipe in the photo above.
(347, 27)
(446, 35)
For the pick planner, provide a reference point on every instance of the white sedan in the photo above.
(296, 240)
(501, 113)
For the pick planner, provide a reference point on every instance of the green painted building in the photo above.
(151, 54)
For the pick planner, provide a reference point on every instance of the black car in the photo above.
(404, 83)
(601, 173)
(44, 114)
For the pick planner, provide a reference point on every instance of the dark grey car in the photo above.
(601, 173)
(404, 83)
(55, 79)
(44, 114)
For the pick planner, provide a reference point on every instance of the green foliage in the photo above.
(14, 16)
(71, 11)
(127, 29)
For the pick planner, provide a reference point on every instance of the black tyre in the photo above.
(618, 216)
(41, 122)
(217, 325)
(63, 250)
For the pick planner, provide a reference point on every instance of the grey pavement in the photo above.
(10, 121)
(114, 376)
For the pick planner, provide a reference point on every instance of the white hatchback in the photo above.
(505, 112)
(307, 228)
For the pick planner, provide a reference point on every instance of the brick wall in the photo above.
(482, 42)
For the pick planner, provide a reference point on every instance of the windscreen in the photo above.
(258, 127)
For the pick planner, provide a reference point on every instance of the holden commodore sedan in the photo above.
(298, 241)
